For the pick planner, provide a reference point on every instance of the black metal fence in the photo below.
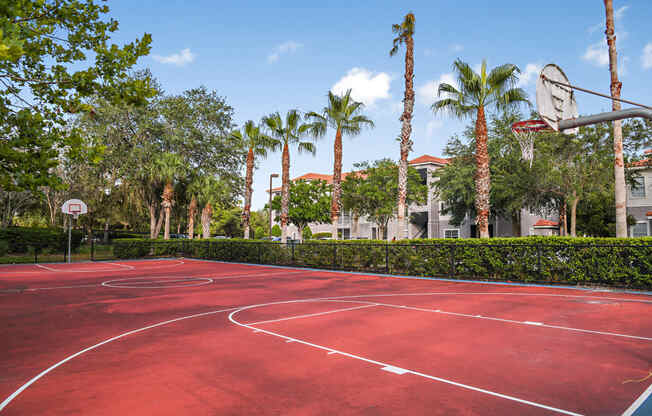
(624, 265)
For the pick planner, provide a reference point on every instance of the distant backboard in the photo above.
(74, 207)
(555, 102)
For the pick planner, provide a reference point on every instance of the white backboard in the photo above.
(74, 207)
(555, 102)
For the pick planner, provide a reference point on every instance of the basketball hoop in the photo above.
(525, 132)
(73, 207)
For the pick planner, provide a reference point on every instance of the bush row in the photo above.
(24, 240)
(604, 261)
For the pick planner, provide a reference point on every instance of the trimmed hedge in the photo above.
(24, 240)
(623, 262)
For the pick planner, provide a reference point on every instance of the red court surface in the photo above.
(177, 337)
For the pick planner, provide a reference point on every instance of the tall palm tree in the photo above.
(289, 131)
(169, 167)
(258, 143)
(619, 165)
(343, 115)
(476, 92)
(405, 33)
(210, 191)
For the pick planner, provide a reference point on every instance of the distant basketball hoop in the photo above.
(525, 132)
(73, 207)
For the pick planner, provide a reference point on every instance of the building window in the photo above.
(344, 233)
(452, 233)
(638, 188)
(442, 208)
(639, 229)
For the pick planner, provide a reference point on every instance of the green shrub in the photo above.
(276, 231)
(317, 236)
(307, 233)
(4, 247)
(625, 262)
(22, 239)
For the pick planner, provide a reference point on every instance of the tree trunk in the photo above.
(206, 215)
(482, 175)
(192, 212)
(619, 165)
(246, 213)
(159, 223)
(356, 225)
(152, 220)
(406, 143)
(573, 219)
(337, 183)
(168, 195)
(563, 231)
(516, 224)
(285, 194)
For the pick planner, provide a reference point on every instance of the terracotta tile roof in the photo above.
(644, 162)
(649, 213)
(546, 223)
(648, 152)
(329, 178)
(429, 159)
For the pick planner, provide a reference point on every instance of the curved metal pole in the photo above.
(602, 117)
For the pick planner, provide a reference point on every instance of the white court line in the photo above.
(638, 402)
(310, 315)
(201, 281)
(65, 360)
(382, 364)
(511, 321)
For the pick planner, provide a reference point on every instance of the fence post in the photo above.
(453, 271)
(260, 258)
(334, 256)
(386, 258)
(36, 254)
(539, 261)
(92, 249)
(293, 258)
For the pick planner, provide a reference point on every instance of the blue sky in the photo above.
(267, 56)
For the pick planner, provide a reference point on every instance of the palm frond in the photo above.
(307, 147)
(512, 98)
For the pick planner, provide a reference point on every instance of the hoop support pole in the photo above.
(602, 117)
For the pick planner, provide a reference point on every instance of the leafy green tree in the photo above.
(307, 233)
(276, 230)
(227, 222)
(342, 114)
(405, 32)
(377, 184)
(308, 203)
(258, 143)
(289, 131)
(54, 55)
(476, 92)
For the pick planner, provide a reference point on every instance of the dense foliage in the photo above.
(577, 261)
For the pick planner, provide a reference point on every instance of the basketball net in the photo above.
(526, 141)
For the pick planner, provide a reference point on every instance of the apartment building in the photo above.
(639, 197)
(428, 220)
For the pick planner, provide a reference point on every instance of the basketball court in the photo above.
(197, 337)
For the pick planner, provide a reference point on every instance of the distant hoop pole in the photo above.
(603, 117)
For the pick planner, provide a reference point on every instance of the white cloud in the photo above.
(431, 126)
(618, 15)
(646, 58)
(180, 59)
(427, 93)
(284, 48)
(597, 54)
(457, 47)
(365, 86)
(531, 73)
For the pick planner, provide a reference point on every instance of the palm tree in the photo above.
(258, 143)
(289, 132)
(405, 32)
(192, 213)
(343, 115)
(619, 165)
(169, 167)
(476, 92)
(210, 191)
